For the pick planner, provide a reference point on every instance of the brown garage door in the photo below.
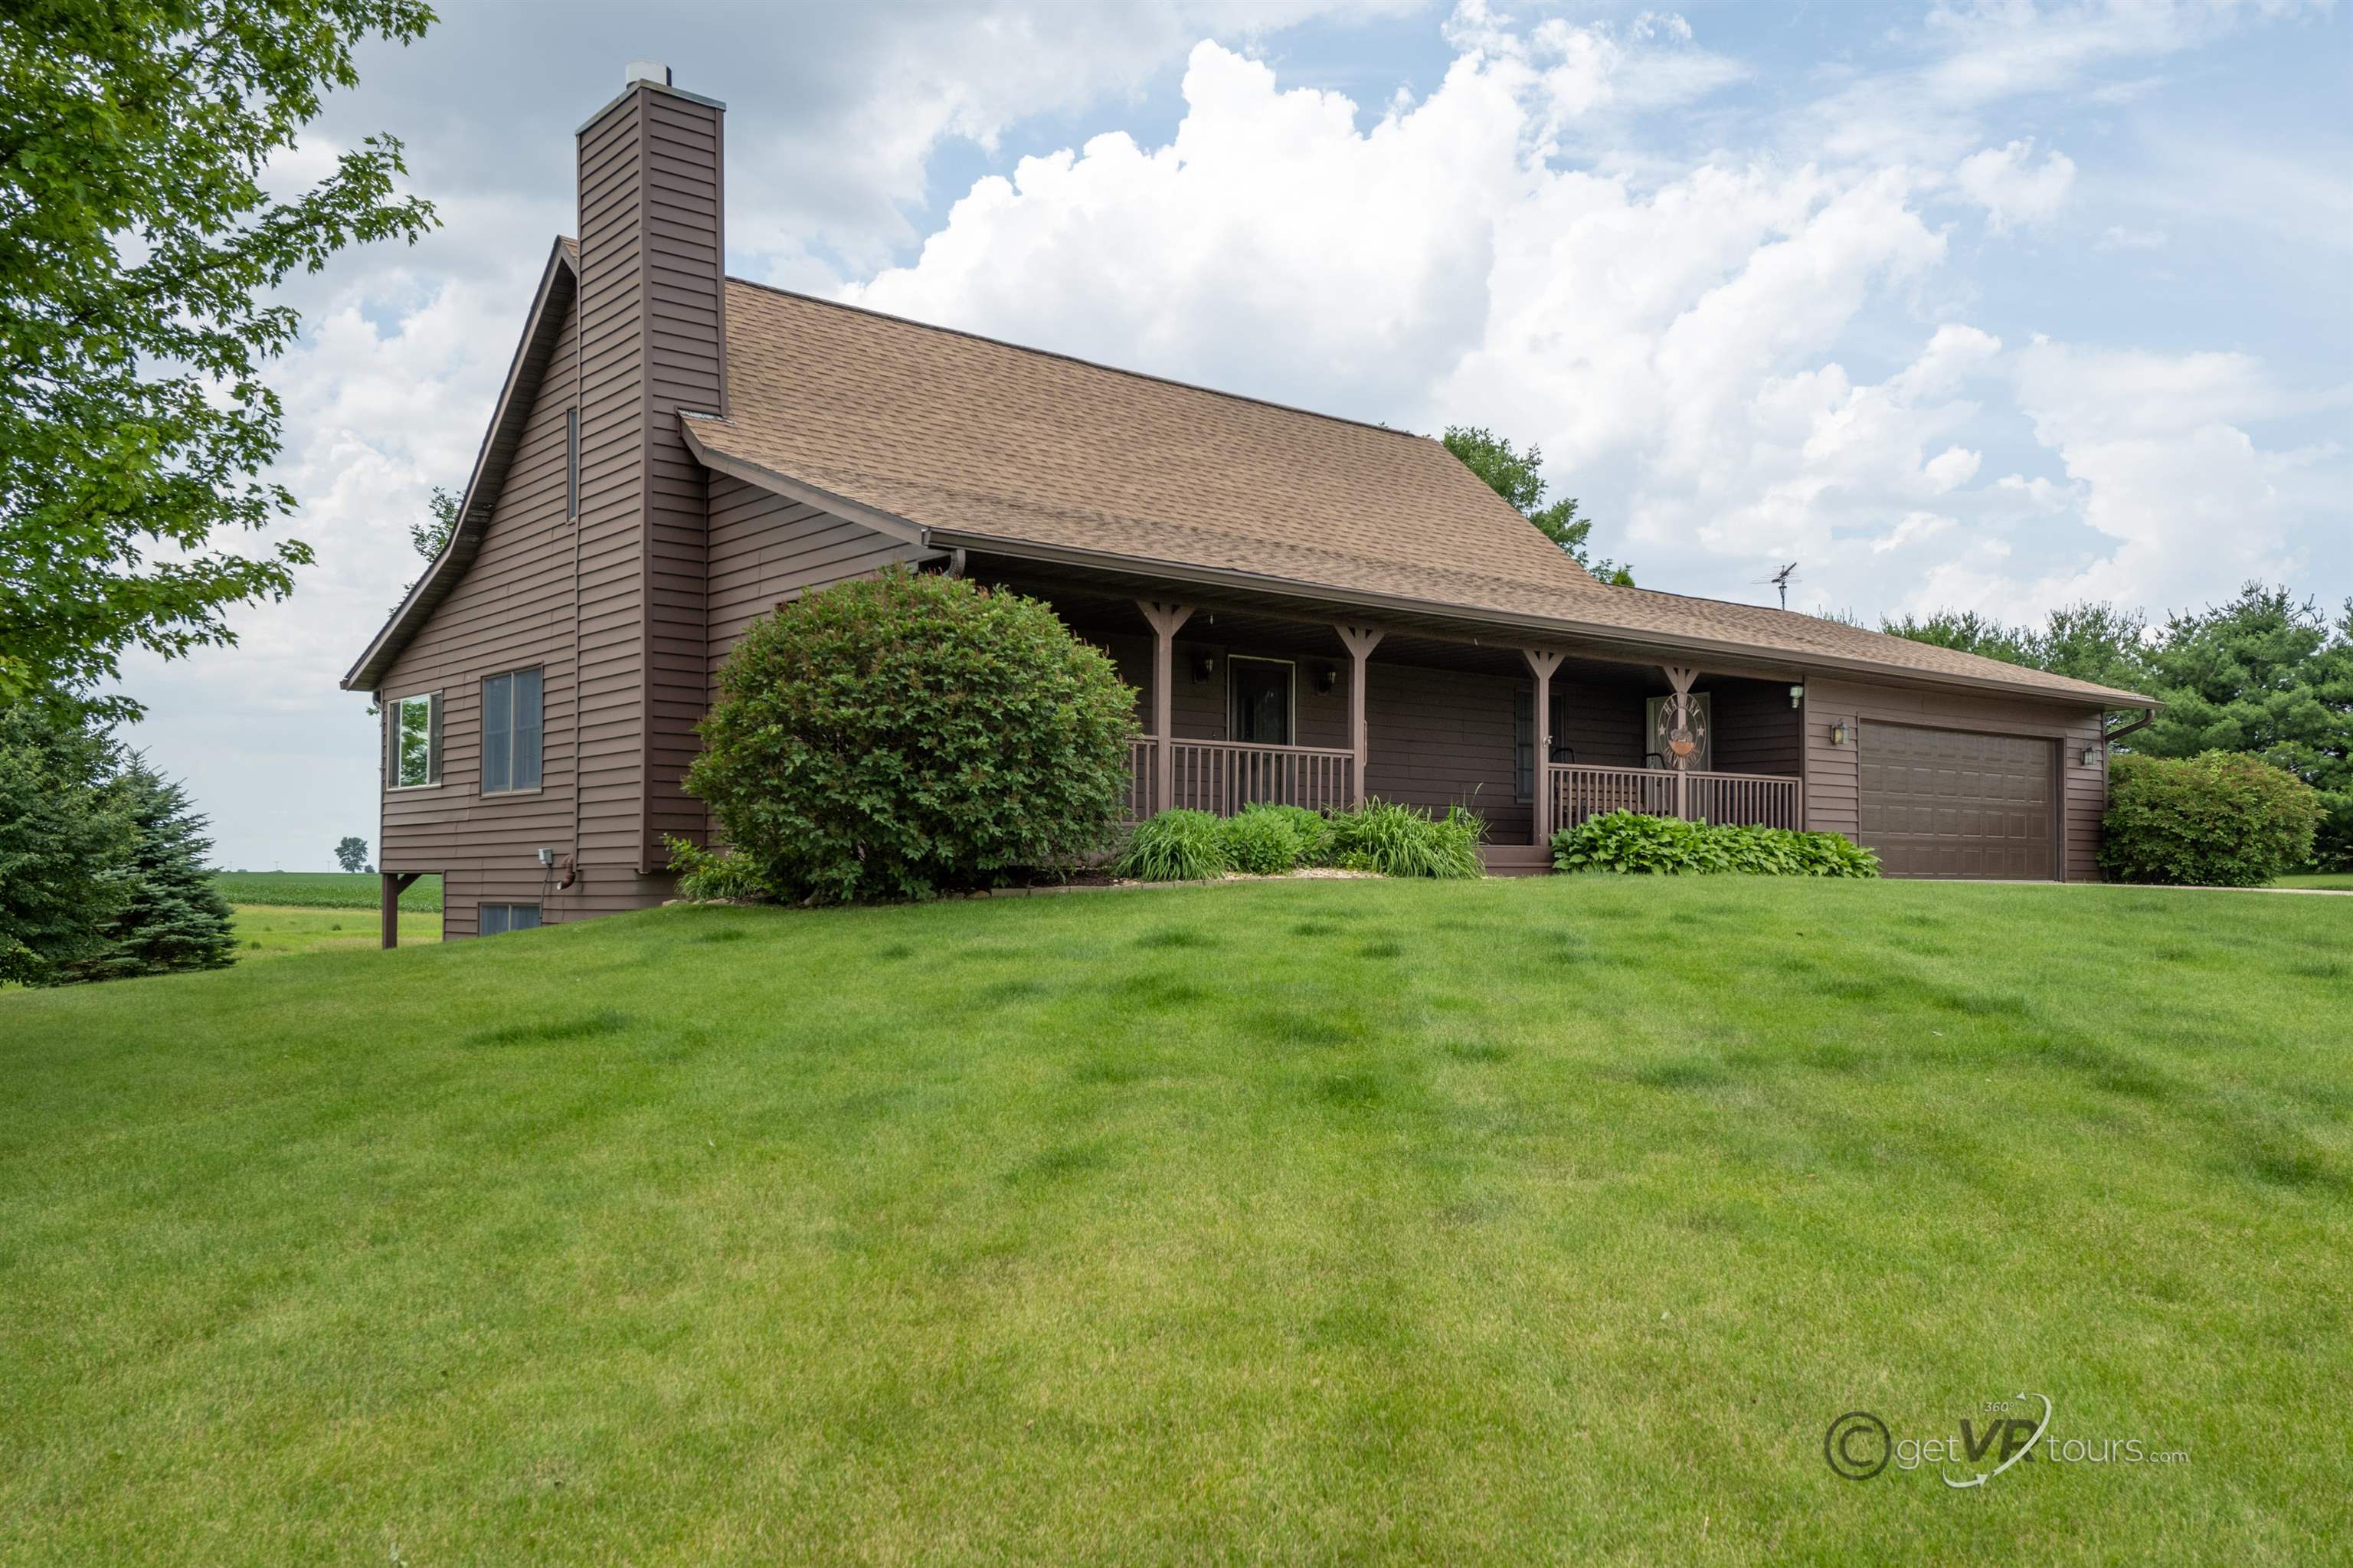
(1942, 802)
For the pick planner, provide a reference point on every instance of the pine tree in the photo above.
(175, 918)
(64, 840)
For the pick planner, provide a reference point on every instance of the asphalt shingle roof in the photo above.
(974, 436)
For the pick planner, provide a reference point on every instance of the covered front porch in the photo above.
(1240, 702)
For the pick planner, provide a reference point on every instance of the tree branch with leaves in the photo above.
(1518, 478)
(139, 249)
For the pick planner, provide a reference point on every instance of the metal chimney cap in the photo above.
(646, 70)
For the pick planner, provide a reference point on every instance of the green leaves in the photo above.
(2219, 820)
(138, 247)
(1630, 842)
(911, 733)
(1519, 480)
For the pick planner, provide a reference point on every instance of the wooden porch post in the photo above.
(1542, 662)
(396, 883)
(1681, 676)
(1165, 617)
(1360, 642)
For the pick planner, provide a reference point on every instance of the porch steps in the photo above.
(1516, 860)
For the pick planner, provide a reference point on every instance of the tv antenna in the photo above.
(1781, 580)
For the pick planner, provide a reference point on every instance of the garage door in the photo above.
(1941, 802)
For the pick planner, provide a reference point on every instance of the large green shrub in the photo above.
(903, 735)
(1175, 846)
(1630, 842)
(1406, 841)
(2217, 820)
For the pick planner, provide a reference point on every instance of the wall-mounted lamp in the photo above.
(1204, 667)
(1841, 733)
(2091, 756)
(1327, 677)
(1797, 695)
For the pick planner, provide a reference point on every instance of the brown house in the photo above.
(1312, 610)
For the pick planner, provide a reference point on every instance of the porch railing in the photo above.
(1140, 753)
(1222, 776)
(1736, 800)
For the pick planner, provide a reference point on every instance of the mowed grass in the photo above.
(322, 889)
(1515, 1221)
(2330, 881)
(264, 932)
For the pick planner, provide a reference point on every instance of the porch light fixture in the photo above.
(1327, 677)
(1797, 695)
(1841, 733)
(2091, 756)
(1204, 667)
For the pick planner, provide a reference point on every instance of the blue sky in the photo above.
(1986, 306)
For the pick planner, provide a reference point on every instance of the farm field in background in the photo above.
(322, 889)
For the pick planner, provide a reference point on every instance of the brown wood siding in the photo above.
(686, 326)
(1757, 728)
(1599, 724)
(765, 550)
(613, 618)
(512, 610)
(1832, 788)
(1444, 736)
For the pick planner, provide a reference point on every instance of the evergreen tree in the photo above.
(173, 918)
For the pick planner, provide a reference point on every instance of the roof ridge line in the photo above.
(1078, 359)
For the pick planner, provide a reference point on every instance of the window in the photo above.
(1258, 699)
(510, 732)
(498, 919)
(572, 462)
(413, 726)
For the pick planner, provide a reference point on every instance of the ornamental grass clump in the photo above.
(907, 734)
(1629, 842)
(1398, 840)
(1175, 846)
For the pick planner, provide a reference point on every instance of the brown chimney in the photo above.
(653, 340)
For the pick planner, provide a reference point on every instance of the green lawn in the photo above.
(263, 932)
(2335, 881)
(1542, 1220)
(322, 889)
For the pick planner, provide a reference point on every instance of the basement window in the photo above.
(413, 731)
(510, 731)
(498, 919)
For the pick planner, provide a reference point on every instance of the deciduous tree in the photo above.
(1518, 478)
(139, 254)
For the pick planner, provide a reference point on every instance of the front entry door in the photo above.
(1261, 698)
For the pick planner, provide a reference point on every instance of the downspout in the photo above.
(2109, 736)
